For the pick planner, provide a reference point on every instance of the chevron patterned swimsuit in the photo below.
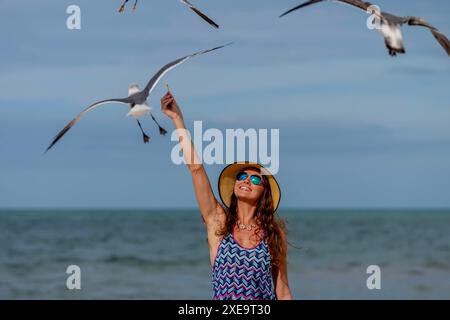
(242, 274)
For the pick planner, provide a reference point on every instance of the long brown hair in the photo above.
(266, 220)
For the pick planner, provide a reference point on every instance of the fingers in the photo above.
(167, 98)
(167, 101)
(168, 94)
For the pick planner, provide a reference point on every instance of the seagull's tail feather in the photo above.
(300, 6)
(442, 39)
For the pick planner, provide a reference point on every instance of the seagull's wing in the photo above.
(363, 5)
(301, 6)
(440, 37)
(201, 14)
(356, 3)
(78, 117)
(154, 80)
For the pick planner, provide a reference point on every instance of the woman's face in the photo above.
(245, 190)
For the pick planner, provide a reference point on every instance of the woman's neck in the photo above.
(245, 212)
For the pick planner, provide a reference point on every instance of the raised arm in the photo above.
(207, 202)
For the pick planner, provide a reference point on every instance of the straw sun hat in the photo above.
(228, 178)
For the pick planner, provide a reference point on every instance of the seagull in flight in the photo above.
(136, 100)
(390, 26)
(191, 6)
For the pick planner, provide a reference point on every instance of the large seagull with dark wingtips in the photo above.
(191, 6)
(390, 26)
(136, 100)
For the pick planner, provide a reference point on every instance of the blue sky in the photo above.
(357, 127)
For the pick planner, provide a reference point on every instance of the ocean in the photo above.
(163, 254)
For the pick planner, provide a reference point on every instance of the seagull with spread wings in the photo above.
(390, 26)
(136, 100)
(191, 6)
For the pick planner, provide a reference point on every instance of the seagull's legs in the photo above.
(135, 4)
(162, 131)
(122, 7)
(146, 137)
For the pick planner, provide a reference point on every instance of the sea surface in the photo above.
(163, 254)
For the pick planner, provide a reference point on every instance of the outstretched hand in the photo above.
(170, 107)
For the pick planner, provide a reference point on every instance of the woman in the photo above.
(247, 245)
